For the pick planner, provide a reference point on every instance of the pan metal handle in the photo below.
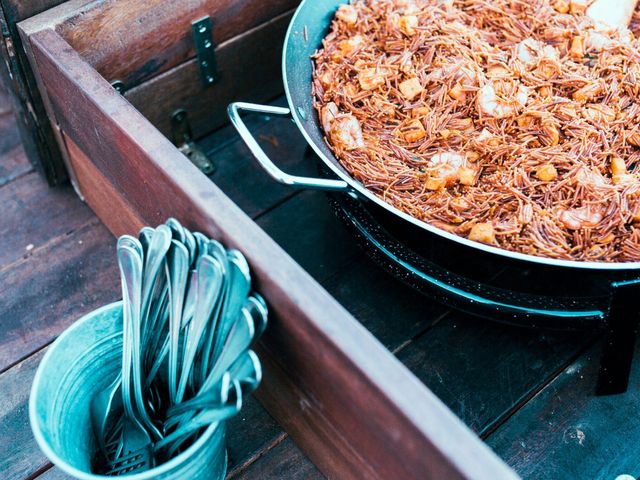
(266, 163)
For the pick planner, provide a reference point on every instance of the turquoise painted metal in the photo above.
(81, 362)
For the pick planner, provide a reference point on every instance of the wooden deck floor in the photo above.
(57, 262)
(528, 394)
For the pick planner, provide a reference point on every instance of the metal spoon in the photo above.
(177, 230)
(134, 434)
(130, 264)
(209, 278)
(202, 243)
(236, 295)
(109, 401)
(155, 255)
(258, 310)
(178, 274)
(239, 339)
(190, 243)
(144, 236)
(184, 431)
(217, 251)
(246, 370)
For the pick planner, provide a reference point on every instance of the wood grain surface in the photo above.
(20, 9)
(45, 292)
(38, 142)
(249, 70)
(14, 160)
(161, 38)
(25, 198)
(20, 457)
(567, 432)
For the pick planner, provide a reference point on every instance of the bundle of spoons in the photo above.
(189, 321)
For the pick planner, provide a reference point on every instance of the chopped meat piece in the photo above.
(411, 88)
(482, 232)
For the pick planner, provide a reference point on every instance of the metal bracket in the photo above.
(183, 139)
(205, 51)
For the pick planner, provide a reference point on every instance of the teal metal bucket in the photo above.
(84, 360)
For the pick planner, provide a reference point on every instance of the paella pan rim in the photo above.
(298, 38)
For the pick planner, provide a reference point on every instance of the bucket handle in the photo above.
(265, 162)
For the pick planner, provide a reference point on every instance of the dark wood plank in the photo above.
(128, 32)
(285, 460)
(35, 130)
(18, 10)
(351, 385)
(13, 161)
(44, 293)
(5, 105)
(250, 434)
(20, 457)
(483, 370)
(9, 135)
(567, 432)
(35, 214)
(390, 310)
(253, 81)
(244, 182)
(306, 227)
(53, 473)
(13, 164)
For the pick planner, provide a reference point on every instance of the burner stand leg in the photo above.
(617, 354)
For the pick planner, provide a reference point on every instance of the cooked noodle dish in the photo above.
(511, 123)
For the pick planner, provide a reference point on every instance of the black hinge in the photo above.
(183, 139)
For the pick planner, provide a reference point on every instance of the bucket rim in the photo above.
(58, 461)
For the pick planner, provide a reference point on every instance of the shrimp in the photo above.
(347, 14)
(612, 14)
(590, 178)
(491, 104)
(610, 24)
(530, 52)
(446, 166)
(598, 40)
(460, 70)
(346, 133)
(577, 218)
(328, 114)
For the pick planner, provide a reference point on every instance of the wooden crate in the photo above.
(352, 407)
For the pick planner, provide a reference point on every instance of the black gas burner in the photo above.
(518, 293)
